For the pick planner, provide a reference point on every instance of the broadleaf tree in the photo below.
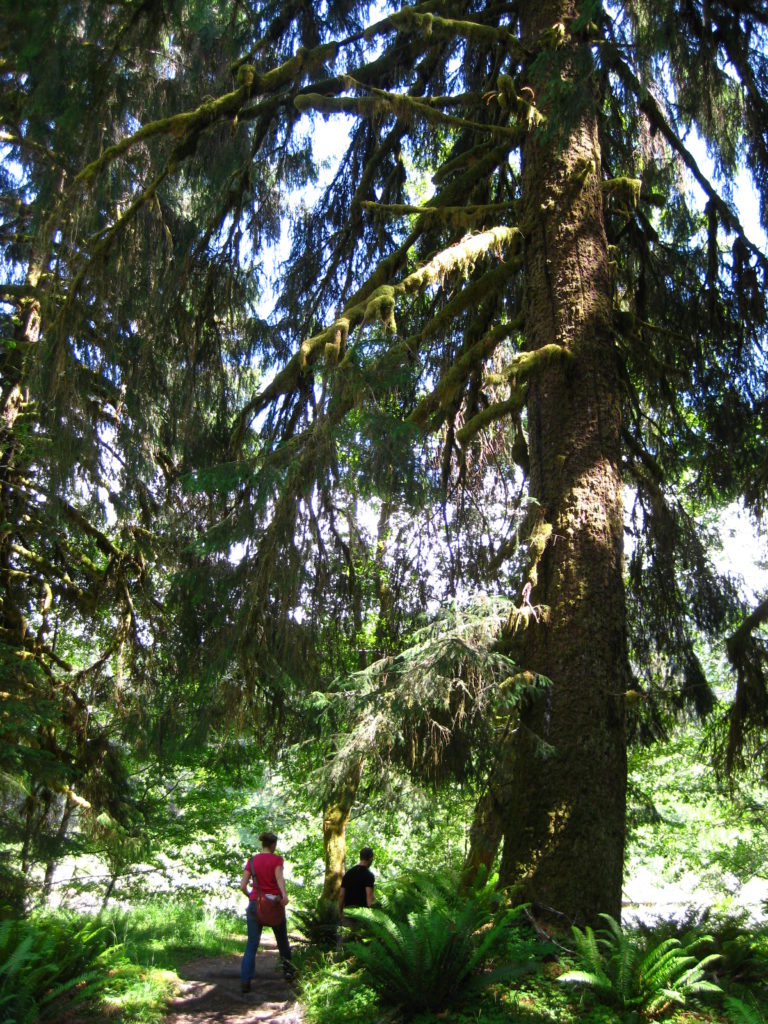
(505, 284)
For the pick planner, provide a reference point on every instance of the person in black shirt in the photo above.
(357, 884)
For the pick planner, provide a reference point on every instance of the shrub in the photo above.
(426, 949)
(632, 976)
(320, 924)
(48, 964)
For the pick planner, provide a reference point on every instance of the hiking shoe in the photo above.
(245, 986)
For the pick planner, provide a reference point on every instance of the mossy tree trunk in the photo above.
(564, 833)
(335, 818)
(489, 817)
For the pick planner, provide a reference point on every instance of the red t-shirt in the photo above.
(262, 866)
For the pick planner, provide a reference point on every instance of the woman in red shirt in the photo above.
(266, 869)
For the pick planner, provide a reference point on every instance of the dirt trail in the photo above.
(210, 992)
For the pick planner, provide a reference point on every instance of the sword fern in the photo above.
(621, 971)
(428, 949)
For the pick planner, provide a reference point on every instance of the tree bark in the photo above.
(490, 814)
(564, 833)
(335, 818)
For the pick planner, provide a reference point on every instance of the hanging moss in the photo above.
(462, 255)
(245, 75)
(381, 307)
(624, 193)
(520, 105)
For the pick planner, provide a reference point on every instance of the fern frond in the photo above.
(663, 997)
(586, 946)
(744, 1013)
(599, 982)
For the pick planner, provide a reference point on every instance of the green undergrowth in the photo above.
(119, 966)
(339, 987)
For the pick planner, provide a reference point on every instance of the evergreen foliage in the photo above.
(442, 705)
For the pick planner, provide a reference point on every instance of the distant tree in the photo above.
(553, 316)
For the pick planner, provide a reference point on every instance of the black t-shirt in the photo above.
(355, 882)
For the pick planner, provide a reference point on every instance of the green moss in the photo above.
(497, 411)
(381, 306)
(524, 365)
(537, 543)
(624, 193)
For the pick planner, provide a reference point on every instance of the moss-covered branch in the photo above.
(461, 256)
(452, 216)
(430, 24)
(484, 418)
(407, 108)
(525, 364)
(450, 384)
(192, 122)
(377, 304)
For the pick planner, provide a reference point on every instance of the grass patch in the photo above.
(121, 965)
(155, 939)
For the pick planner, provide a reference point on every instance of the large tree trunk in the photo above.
(564, 834)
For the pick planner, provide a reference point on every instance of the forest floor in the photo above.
(210, 992)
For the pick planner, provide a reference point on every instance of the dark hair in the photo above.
(268, 839)
(366, 853)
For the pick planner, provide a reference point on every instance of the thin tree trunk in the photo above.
(109, 890)
(564, 834)
(335, 818)
(61, 833)
(488, 820)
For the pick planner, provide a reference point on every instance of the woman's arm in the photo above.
(281, 883)
(245, 879)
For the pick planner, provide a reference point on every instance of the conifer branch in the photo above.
(379, 305)
(497, 411)
(650, 107)
(452, 216)
(401, 106)
(454, 378)
(429, 25)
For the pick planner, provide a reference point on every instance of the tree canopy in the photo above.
(500, 308)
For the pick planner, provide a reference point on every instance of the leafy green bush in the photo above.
(634, 976)
(334, 993)
(319, 924)
(48, 964)
(426, 948)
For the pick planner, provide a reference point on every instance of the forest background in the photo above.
(381, 493)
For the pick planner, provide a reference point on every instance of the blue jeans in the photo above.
(254, 938)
